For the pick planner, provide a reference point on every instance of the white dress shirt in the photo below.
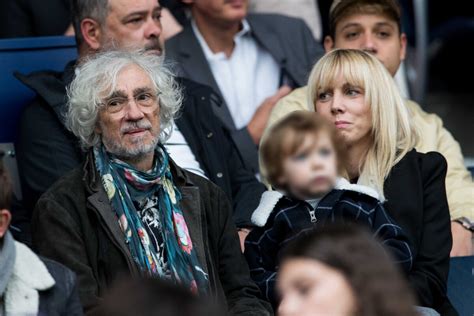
(181, 153)
(246, 78)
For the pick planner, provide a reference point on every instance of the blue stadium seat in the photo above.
(461, 285)
(26, 55)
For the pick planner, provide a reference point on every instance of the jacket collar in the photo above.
(29, 276)
(270, 199)
(267, 38)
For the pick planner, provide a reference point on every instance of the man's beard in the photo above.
(153, 46)
(139, 150)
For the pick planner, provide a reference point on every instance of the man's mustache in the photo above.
(154, 45)
(131, 126)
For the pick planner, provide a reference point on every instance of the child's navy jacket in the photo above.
(280, 219)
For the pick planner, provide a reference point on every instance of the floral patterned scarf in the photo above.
(124, 184)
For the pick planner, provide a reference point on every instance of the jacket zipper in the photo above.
(312, 214)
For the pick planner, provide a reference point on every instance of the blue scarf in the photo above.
(124, 184)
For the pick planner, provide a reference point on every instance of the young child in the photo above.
(302, 158)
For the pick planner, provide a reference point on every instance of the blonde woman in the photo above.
(354, 91)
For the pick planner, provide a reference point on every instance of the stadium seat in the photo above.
(461, 284)
(25, 55)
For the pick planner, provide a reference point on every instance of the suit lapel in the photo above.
(193, 61)
(270, 41)
(194, 65)
(267, 39)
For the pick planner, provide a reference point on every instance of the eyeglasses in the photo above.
(146, 101)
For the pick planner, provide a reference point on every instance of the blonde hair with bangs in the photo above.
(393, 134)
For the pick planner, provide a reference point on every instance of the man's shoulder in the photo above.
(69, 186)
(205, 185)
(173, 42)
(295, 101)
(427, 122)
(191, 87)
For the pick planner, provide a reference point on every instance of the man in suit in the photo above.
(47, 150)
(251, 60)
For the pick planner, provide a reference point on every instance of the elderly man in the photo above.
(46, 149)
(130, 210)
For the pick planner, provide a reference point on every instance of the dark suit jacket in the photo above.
(287, 39)
(46, 150)
(416, 199)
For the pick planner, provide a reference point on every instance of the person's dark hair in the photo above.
(5, 186)
(287, 136)
(378, 285)
(152, 296)
(82, 9)
(344, 8)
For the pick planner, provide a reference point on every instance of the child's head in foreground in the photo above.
(302, 155)
(340, 269)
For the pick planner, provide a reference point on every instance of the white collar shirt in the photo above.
(246, 78)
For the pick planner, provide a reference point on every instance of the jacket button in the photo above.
(209, 135)
(203, 98)
(220, 175)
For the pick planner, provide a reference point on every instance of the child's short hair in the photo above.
(344, 8)
(287, 136)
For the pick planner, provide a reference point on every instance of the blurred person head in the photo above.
(117, 24)
(5, 199)
(153, 296)
(373, 26)
(341, 270)
(302, 155)
(222, 13)
(355, 92)
(124, 100)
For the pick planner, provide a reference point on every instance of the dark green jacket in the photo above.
(73, 223)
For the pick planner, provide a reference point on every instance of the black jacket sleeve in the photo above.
(45, 151)
(246, 189)
(392, 237)
(243, 296)
(262, 247)
(430, 271)
(52, 224)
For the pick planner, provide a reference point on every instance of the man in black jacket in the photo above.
(47, 150)
(130, 210)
